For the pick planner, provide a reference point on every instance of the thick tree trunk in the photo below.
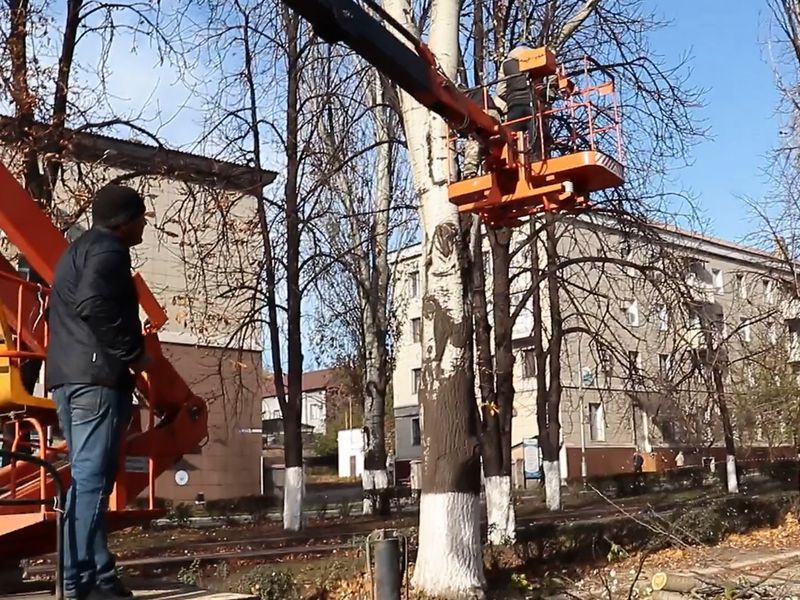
(449, 559)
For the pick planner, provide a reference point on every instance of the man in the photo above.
(513, 91)
(519, 103)
(95, 342)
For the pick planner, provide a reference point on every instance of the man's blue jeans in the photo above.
(93, 419)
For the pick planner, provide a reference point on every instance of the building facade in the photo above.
(199, 248)
(643, 309)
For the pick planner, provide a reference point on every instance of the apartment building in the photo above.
(637, 306)
(199, 249)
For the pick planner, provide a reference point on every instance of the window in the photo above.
(416, 432)
(597, 422)
(631, 309)
(662, 316)
(667, 427)
(794, 340)
(664, 365)
(487, 263)
(744, 329)
(528, 363)
(416, 330)
(415, 380)
(626, 252)
(718, 280)
(741, 287)
(413, 282)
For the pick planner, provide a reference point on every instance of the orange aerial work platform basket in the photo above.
(566, 137)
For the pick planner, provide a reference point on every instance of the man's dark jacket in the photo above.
(93, 315)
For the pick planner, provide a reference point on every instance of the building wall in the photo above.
(314, 409)
(406, 421)
(229, 464)
(607, 408)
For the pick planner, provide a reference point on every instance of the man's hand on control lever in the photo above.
(142, 364)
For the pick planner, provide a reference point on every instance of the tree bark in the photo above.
(727, 430)
(449, 561)
(497, 396)
(375, 289)
(293, 443)
(549, 397)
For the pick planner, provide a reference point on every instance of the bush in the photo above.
(190, 575)
(705, 526)
(268, 583)
(181, 513)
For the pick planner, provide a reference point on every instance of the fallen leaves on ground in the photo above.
(736, 547)
(783, 537)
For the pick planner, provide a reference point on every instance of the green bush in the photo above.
(190, 575)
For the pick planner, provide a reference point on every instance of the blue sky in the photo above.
(727, 40)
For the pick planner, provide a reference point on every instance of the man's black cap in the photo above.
(115, 205)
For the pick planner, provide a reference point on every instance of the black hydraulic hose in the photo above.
(58, 505)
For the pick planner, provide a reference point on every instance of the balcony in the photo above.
(700, 288)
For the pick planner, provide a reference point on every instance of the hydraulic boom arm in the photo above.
(414, 70)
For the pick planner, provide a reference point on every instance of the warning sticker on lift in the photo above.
(136, 464)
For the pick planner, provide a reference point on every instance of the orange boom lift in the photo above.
(566, 148)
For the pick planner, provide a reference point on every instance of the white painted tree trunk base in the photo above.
(450, 559)
(552, 485)
(293, 491)
(376, 480)
(500, 515)
(730, 467)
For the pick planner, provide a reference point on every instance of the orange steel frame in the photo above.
(519, 182)
(174, 424)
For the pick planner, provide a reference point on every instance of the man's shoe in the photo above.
(114, 588)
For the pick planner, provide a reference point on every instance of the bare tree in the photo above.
(52, 99)
(365, 211)
(249, 46)
(652, 94)
(449, 561)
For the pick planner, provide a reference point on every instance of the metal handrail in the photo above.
(57, 502)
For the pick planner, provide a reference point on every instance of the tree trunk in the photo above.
(498, 408)
(548, 393)
(727, 430)
(294, 481)
(374, 479)
(292, 418)
(375, 282)
(449, 559)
